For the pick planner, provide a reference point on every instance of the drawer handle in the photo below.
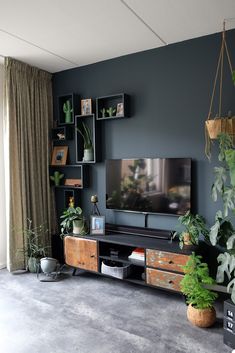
(170, 262)
(92, 255)
(170, 282)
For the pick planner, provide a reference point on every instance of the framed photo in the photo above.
(59, 155)
(120, 109)
(73, 182)
(86, 106)
(97, 225)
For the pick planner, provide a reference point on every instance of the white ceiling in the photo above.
(57, 35)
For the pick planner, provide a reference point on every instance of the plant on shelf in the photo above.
(200, 311)
(103, 111)
(56, 178)
(67, 109)
(73, 221)
(88, 145)
(194, 226)
(111, 111)
(34, 249)
(223, 232)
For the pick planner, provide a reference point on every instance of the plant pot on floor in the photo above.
(201, 317)
(48, 264)
(32, 264)
(88, 155)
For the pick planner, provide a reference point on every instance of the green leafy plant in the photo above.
(86, 135)
(103, 111)
(57, 177)
(194, 281)
(70, 215)
(194, 225)
(222, 232)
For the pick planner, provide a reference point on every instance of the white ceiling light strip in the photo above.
(37, 46)
(141, 20)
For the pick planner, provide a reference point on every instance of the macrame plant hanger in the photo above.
(213, 127)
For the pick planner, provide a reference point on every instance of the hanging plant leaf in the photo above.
(224, 260)
(230, 242)
(214, 230)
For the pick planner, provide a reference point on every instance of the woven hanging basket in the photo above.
(218, 125)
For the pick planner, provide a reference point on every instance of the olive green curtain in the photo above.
(28, 104)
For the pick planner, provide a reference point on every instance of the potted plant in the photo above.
(194, 226)
(34, 249)
(73, 222)
(222, 232)
(200, 310)
(88, 145)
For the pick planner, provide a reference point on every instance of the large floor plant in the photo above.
(222, 232)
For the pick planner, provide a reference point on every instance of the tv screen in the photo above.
(160, 185)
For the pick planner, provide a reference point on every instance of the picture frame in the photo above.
(86, 106)
(120, 109)
(73, 182)
(97, 225)
(59, 155)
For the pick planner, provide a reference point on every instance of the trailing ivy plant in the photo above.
(193, 283)
(222, 232)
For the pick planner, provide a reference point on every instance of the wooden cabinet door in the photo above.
(81, 253)
(164, 279)
(166, 260)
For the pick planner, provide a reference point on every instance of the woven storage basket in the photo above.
(118, 272)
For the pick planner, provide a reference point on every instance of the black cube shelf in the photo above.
(61, 133)
(112, 102)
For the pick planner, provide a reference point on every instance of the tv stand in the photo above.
(163, 259)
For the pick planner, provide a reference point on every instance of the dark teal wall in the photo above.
(170, 90)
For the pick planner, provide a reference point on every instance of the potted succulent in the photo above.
(88, 145)
(73, 222)
(194, 226)
(200, 310)
(34, 249)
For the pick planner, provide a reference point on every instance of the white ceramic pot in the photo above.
(88, 155)
(78, 225)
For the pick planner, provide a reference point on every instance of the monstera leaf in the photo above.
(230, 242)
(224, 259)
(230, 159)
(228, 200)
(220, 179)
(232, 284)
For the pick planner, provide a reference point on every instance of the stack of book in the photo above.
(137, 256)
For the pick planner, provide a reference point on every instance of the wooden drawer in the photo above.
(165, 260)
(164, 279)
(81, 253)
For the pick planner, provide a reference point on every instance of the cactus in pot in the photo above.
(56, 178)
(67, 109)
(111, 111)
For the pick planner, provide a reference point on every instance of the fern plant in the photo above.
(192, 285)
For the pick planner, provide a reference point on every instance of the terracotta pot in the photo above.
(201, 317)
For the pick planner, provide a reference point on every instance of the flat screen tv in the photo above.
(147, 185)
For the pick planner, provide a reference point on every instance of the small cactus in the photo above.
(111, 111)
(68, 111)
(56, 178)
(103, 112)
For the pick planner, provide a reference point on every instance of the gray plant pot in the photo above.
(48, 264)
(78, 225)
(32, 264)
(88, 155)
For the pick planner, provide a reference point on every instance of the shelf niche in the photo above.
(70, 172)
(74, 101)
(90, 122)
(112, 101)
(66, 131)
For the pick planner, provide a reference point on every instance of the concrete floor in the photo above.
(92, 314)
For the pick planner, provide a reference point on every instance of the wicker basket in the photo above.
(115, 271)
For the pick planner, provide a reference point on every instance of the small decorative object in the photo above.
(103, 111)
(57, 177)
(194, 226)
(200, 311)
(59, 155)
(97, 225)
(120, 110)
(67, 109)
(71, 201)
(219, 124)
(111, 111)
(88, 146)
(86, 106)
(73, 182)
(73, 221)
(61, 136)
(94, 201)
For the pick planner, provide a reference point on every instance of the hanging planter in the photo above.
(219, 124)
